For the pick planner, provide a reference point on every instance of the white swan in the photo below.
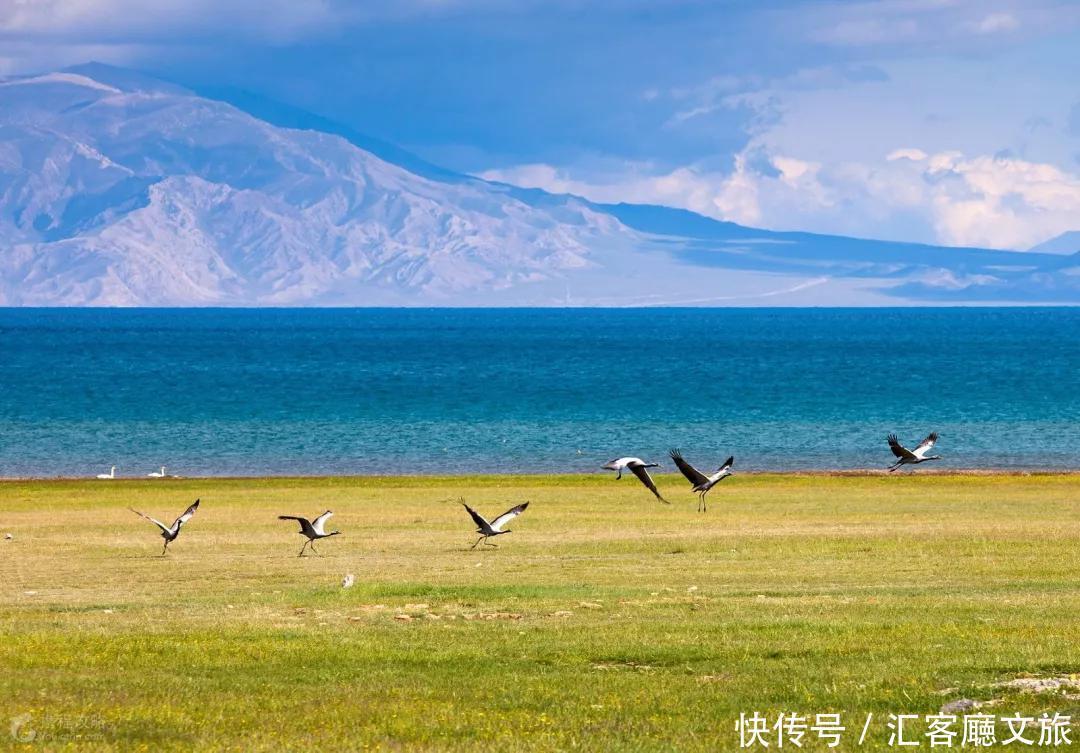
(109, 475)
(157, 474)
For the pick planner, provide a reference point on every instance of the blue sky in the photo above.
(950, 121)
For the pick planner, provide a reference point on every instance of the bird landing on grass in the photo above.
(701, 483)
(169, 533)
(313, 529)
(494, 528)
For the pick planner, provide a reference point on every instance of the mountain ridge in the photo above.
(1065, 243)
(117, 188)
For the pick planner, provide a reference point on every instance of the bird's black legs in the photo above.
(488, 543)
(618, 475)
(477, 542)
(313, 547)
(164, 548)
(303, 548)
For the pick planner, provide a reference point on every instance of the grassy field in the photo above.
(605, 621)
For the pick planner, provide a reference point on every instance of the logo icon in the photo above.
(21, 731)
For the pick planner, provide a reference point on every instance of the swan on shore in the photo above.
(157, 474)
(110, 475)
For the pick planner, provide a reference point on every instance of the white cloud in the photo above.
(918, 25)
(996, 22)
(42, 34)
(868, 31)
(916, 155)
(110, 21)
(896, 150)
(634, 182)
(945, 197)
(273, 21)
(1003, 203)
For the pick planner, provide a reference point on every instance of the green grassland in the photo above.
(605, 621)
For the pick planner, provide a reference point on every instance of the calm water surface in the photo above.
(248, 392)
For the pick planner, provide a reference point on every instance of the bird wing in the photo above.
(926, 444)
(898, 449)
(506, 517)
(304, 522)
(155, 521)
(726, 467)
(320, 521)
(186, 516)
(693, 475)
(643, 475)
(482, 524)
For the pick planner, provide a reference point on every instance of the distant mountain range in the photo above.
(121, 190)
(1066, 243)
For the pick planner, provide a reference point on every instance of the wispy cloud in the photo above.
(919, 25)
(131, 21)
(959, 200)
(995, 23)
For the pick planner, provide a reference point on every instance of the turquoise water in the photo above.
(246, 392)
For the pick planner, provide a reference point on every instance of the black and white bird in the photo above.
(313, 529)
(169, 533)
(912, 457)
(702, 483)
(639, 468)
(494, 528)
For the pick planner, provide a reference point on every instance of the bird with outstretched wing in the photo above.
(495, 527)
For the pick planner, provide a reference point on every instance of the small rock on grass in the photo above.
(348, 580)
(959, 706)
(1039, 684)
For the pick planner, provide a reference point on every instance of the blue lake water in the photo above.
(365, 391)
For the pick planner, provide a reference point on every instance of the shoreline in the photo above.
(840, 473)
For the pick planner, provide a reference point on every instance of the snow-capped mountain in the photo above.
(139, 196)
(118, 189)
